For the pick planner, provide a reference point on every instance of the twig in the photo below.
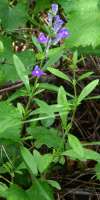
(10, 88)
(14, 87)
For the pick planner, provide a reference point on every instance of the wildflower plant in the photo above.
(29, 124)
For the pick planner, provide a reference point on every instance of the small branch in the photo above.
(14, 86)
(10, 88)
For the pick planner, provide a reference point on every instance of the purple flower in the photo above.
(54, 7)
(42, 38)
(37, 71)
(63, 33)
(58, 22)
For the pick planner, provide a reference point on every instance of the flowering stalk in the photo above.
(58, 32)
(55, 24)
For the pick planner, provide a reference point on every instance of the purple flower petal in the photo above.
(63, 33)
(58, 22)
(54, 8)
(42, 38)
(37, 71)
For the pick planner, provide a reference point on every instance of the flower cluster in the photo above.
(55, 23)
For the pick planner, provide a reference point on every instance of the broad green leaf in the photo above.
(41, 6)
(42, 161)
(62, 100)
(22, 73)
(76, 145)
(58, 73)
(2, 77)
(4, 7)
(3, 189)
(40, 190)
(10, 122)
(89, 50)
(12, 17)
(83, 22)
(16, 193)
(45, 136)
(6, 66)
(29, 160)
(6, 60)
(28, 59)
(67, 5)
(87, 90)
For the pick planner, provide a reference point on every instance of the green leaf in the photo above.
(4, 7)
(87, 90)
(29, 160)
(12, 17)
(85, 75)
(47, 122)
(76, 145)
(1, 47)
(48, 86)
(16, 193)
(40, 190)
(10, 122)
(45, 108)
(49, 110)
(41, 6)
(53, 56)
(62, 100)
(67, 5)
(54, 184)
(97, 170)
(88, 155)
(44, 136)
(28, 59)
(91, 155)
(83, 23)
(3, 189)
(58, 73)
(6, 59)
(19, 93)
(22, 73)
(42, 161)
(37, 44)
(2, 77)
